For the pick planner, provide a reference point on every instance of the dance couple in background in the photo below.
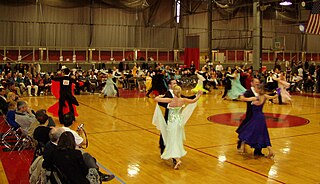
(62, 88)
(110, 89)
(253, 130)
(172, 125)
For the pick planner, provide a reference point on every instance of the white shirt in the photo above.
(171, 91)
(254, 92)
(300, 72)
(77, 137)
(296, 78)
(3, 98)
(269, 79)
(219, 67)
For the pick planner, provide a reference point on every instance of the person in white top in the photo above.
(219, 67)
(296, 82)
(79, 135)
(300, 72)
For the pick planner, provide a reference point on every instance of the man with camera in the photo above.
(80, 137)
(82, 142)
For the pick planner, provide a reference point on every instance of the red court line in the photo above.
(190, 147)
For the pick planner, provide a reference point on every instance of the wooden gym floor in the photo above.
(125, 143)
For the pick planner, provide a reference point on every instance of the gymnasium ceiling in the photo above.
(226, 8)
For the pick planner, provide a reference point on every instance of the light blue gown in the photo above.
(236, 88)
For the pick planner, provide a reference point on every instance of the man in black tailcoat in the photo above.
(66, 92)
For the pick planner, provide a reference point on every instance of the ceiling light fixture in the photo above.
(285, 3)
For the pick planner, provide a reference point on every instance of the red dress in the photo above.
(55, 89)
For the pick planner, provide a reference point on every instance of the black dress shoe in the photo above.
(258, 154)
(239, 144)
(106, 177)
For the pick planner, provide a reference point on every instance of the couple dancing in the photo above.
(172, 124)
(253, 129)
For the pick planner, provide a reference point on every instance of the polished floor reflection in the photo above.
(124, 142)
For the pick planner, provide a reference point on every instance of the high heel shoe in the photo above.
(242, 148)
(271, 155)
(177, 164)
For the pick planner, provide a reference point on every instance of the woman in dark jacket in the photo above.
(68, 161)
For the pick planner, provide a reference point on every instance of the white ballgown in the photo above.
(109, 89)
(285, 96)
(173, 131)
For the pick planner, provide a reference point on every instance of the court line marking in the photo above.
(208, 154)
(108, 171)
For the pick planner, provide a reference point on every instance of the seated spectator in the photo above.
(25, 118)
(51, 149)
(11, 115)
(50, 146)
(20, 82)
(12, 97)
(39, 80)
(31, 84)
(80, 136)
(41, 133)
(47, 84)
(67, 160)
(296, 82)
(42, 113)
(10, 87)
(3, 101)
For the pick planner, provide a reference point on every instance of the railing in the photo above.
(81, 54)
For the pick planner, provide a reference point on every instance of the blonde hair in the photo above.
(176, 91)
(11, 97)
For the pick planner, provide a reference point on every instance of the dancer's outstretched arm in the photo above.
(163, 100)
(186, 100)
(247, 99)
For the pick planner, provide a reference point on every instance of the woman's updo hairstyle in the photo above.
(176, 91)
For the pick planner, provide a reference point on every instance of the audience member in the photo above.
(25, 118)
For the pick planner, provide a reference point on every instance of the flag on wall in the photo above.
(313, 25)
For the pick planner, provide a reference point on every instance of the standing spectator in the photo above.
(3, 101)
(219, 67)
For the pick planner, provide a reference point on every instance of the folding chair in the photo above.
(141, 84)
(14, 129)
(132, 83)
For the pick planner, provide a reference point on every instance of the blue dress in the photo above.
(255, 132)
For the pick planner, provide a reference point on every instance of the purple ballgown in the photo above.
(255, 131)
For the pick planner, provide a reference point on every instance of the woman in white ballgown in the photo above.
(173, 131)
(284, 85)
(109, 89)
